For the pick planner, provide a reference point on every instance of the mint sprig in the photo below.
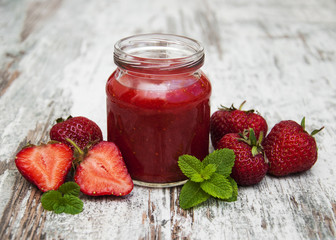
(64, 200)
(211, 177)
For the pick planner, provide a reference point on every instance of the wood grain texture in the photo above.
(280, 56)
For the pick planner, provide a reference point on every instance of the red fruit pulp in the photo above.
(154, 119)
(103, 172)
(46, 165)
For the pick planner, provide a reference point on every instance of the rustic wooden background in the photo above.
(280, 56)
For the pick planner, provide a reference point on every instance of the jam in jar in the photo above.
(158, 106)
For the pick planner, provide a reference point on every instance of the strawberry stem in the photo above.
(241, 105)
(80, 151)
(249, 137)
(78, 154)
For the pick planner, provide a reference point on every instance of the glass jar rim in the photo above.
(158, 53)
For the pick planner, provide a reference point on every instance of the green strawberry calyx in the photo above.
(248, 136)
(315, 131)
(60, 120)
(233, 108)
(78, 153)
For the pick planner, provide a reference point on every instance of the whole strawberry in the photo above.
(289, 148)
(250, 166)
(232, 120)
(81, 130)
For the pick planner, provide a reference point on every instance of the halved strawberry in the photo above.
(103, 172)
(45, 165)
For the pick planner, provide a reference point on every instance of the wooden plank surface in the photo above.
(280, 56)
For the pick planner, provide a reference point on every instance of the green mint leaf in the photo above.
(59, 207)
(190, 165)
(68, 204)
(197, 177)
(70, 188)
(234, 190)
(191, 195)
(65, 199)
(50, 198)
(223, 159)
(73, 205)
(207, 172)
(218, 186)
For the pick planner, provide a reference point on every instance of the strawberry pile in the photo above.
(287, 149)
(77, 149)
(76, 143)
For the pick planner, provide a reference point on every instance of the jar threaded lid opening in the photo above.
(158, 53)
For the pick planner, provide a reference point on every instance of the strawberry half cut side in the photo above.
(46, 165)
(103, 172)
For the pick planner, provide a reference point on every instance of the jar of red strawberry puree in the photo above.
(158, 106)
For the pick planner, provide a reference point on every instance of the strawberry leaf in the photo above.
(303, 123)
(252, 137)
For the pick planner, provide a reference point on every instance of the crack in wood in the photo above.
(209, 24)
(38, 12)
(33, 218)
(154, 228)
(9, 73)
(13, 207)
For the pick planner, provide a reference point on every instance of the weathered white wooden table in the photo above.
(280, 56)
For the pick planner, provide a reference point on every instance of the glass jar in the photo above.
(158, 106)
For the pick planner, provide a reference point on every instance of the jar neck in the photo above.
(158, 54)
